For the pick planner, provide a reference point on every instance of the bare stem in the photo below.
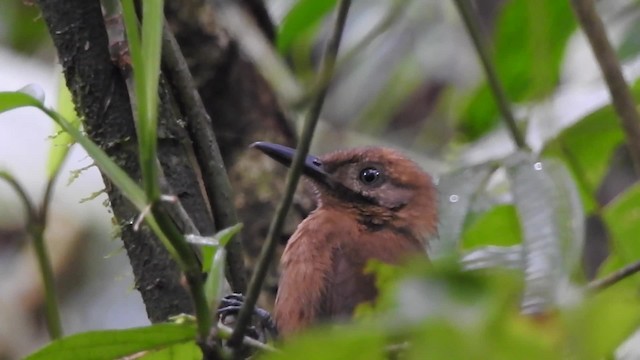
(36, 224)
(268, 249)
(52, 314)
(621, 97)
(611, 279)
(216, 181)
(479, 41)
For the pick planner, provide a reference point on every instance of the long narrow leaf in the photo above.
(113, 344)
(131, 190)
(62, 141)
(153, 17)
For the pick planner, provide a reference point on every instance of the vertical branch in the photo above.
(621, 96)
(216, 181)
(102, 100)
(266, 256)
(479, 41)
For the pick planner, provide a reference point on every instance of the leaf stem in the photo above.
(36, 225)
(275, 229)
(52, 314)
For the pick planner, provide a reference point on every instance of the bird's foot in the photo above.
(231, 304)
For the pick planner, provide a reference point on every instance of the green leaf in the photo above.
(220, 239)
(15, 99)
(145, 56)
(214, 285)
(498, 226)
(622, 217)
(600, 325)
(184, 351)
(112, 344)
(62, 141)
(214, 263)
(529, 70)
(586, 148)
(304, 15)
(456, 193)
(630, 45)
(353, 343)
(131, 190)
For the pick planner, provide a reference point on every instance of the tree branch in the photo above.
(266, 256)
(621, 96)
(100, 94)
(611, 279)
(473, 28)
(208, 154)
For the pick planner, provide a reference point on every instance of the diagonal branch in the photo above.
(611, 279)
(266, 256)
(479, 41)
(621, 97)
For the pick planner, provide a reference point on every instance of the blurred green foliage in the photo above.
(439, 310)
(21, 27)
(529, 42)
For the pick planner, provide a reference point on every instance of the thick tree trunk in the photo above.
(101, 98)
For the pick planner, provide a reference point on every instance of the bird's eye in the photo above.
(369, 175)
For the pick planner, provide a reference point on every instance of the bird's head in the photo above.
(378, 186)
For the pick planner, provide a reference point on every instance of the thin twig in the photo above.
(379, 28)
(621, 97)
(225, 334)
(268, 249)
(479, 41)
(29, 208)
(52, 313)
(611, 279)
(36, 225)
(215, 177)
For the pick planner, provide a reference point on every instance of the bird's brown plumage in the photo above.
(373, 203)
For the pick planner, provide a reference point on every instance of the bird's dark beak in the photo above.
(312, 165)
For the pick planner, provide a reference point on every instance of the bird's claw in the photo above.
(231, 304)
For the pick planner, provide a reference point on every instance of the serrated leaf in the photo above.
(486, 257)
(112, 344)
(456, 192)
(552, 219)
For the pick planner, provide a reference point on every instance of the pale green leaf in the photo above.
(62, 141)
(112, 344)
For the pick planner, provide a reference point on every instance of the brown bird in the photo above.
(373, 203)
